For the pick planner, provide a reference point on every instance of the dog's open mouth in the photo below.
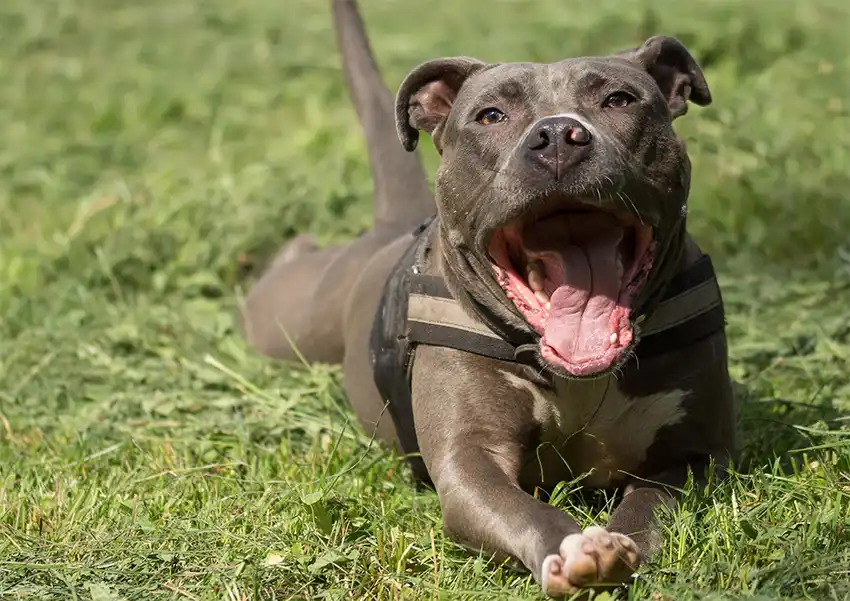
(573, 275)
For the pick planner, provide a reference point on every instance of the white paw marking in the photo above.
(595, 557)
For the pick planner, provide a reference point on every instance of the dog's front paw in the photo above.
(595, 558)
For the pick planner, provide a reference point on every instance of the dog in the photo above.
(543, 316)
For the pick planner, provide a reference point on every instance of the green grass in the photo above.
(153, 152)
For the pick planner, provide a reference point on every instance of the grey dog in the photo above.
(548, 318)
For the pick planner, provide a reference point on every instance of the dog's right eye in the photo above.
(490, 116)
(618, 100)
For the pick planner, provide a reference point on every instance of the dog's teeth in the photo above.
(535, 278)
(614, 337)
(535, 281)
(548, 305)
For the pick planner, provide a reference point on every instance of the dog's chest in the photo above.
(591, 428)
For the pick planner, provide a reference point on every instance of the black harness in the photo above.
(417, 308)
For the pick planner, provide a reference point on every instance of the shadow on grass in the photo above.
(775, 428)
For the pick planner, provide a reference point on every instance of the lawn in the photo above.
(155, 153)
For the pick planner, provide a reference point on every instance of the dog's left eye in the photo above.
(490, 116)
(618, 100)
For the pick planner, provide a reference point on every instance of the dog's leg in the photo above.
(296, 309)
(636, 515)
(402, 196)
(472, 428)
(277, 318)
(484, 507)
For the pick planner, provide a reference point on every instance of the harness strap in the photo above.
(435, 318)
(391, 351)
(690, 310)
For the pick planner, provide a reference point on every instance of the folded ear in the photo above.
(426, 96)
(678, 75)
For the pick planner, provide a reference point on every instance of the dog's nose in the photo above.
(557, 143)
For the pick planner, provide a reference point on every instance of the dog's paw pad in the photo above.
(555, 579)
(595, 557)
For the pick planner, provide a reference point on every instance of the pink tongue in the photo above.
(581, 258)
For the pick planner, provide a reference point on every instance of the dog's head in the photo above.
(562, 188)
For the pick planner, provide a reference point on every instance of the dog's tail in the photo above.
(402, 195)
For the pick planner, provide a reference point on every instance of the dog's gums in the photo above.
(573, 276)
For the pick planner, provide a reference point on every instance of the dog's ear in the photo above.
(427, 94)
(678, 75)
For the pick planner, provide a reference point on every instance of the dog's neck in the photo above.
(471, 281)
